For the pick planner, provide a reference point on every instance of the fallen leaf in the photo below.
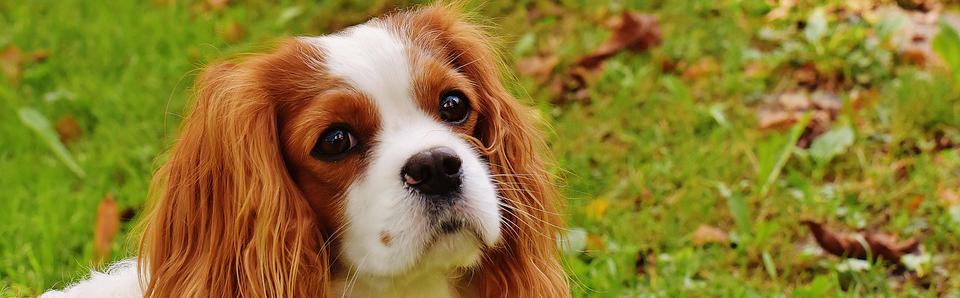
(860, 98)
(11, 64)
(217, 5)
(921, 5)
(780, 12)
(794, 101)
(105, 227)
(857, 245)
(68, 129)
(704, 66)
(538, 67)
(706, 234)
(632, 30)
(807, 75)
(789, 107)
(768, 118)
(902, 168)
(572, 86)
(915, 202)
(942, 141)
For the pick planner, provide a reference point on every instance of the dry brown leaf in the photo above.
(789, 107)
(942, 141)
(105, 227)
(217, 5)
(706, 234)
(538, 67)
(851, 245)
(573, 86)
(704, 66)
(11, 64)
(807, 75)
(768, 118)
(633, 30)
(781, 11)
(794, 101)
(915, 202)
(819, 124)
(913, 37)
(921, 5)
(68, 129)
(902, 168)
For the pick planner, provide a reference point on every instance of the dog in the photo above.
(386, 160)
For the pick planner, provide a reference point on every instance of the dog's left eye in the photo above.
(334, 144)
(454, 107)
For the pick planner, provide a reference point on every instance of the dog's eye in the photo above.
(334, 144)
(454, 107)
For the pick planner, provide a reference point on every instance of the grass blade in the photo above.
(40, 125)
(785, 152)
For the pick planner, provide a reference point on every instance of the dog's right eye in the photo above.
(334, 143)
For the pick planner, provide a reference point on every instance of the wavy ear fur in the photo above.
(226, 218)
(526, 264)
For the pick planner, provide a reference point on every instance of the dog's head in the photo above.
(384, 150)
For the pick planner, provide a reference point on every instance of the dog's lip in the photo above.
(456, 225)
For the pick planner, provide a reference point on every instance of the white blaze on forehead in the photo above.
(375, 61)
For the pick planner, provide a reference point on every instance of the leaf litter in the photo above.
(632, 31)
(106, 226)
(861, 245)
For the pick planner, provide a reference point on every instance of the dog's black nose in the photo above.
(435, 171)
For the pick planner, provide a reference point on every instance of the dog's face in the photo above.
(382, 151)
(387, 150)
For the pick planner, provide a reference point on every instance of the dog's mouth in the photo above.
(454, 226)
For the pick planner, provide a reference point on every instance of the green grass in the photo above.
(662, 152)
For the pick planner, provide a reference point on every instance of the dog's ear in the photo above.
(526, 264)
(226, 218)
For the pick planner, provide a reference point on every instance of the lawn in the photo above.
(687, 167)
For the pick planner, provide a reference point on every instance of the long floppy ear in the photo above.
(226, 218)
(526, 264)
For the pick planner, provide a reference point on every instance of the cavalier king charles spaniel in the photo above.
(386, 160)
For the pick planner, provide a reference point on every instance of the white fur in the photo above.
(120, 280)
(377, 61)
